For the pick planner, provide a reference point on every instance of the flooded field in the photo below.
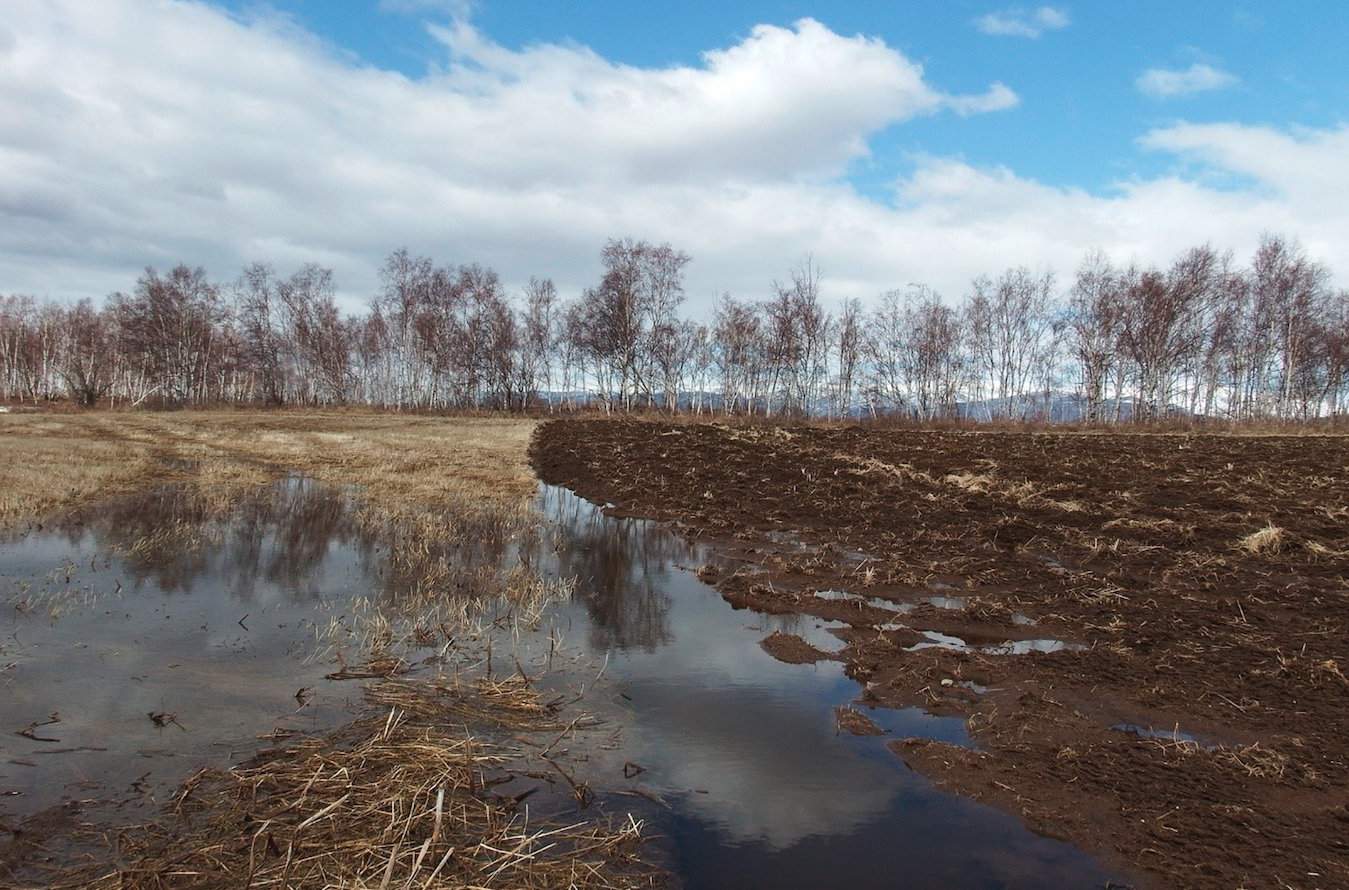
(162, 633)
(153, 637)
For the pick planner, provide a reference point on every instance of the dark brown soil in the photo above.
(1131, 548)
(853, 721)
(791, 649)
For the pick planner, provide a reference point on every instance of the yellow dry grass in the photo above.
(1270, 539)
(51, 462)
(399, 799)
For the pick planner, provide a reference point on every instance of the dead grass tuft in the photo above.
(1255, 761)
(1269, 540)
(1316, 548)
(975, 483)
(1160, 524)
(1067, 506)
(401, 798)
(869, 466)
(1329, 668)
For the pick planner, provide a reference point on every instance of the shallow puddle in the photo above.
(213, 626)
(937, 640)
(142, 665)
(875, 602)
(762, 789)
(1167, 735)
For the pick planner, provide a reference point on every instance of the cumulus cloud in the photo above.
(1020, 22)
(144, 132)
(1167, 83)
(141, 132)
(783, 102)
(999, 97)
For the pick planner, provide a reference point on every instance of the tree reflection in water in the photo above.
(283, 536)
(620, 569)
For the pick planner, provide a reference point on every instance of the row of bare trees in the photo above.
(1203, 336)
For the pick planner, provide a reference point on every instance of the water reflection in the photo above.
(172, 603)
(170, 538)
(167, 603)
(763, 790)
(278, 539)
(625, 571)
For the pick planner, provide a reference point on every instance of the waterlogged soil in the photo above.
(761, 779)
(165, 632)
(1137, 674)
(747, 769)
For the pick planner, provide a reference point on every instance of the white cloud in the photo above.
(454, 9)
(794, 101)
(152, 132)
(1019, 22)
(1166, 83)
(999, 97)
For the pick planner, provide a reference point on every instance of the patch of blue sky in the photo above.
(1081, 112)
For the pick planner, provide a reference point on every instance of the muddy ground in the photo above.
(1191, 727)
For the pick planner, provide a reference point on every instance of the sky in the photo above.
(890, 143)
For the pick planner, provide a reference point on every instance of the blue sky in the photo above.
(890, 143)
(1080, 113)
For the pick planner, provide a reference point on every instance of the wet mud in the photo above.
(1145, 669)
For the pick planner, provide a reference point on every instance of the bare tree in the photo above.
(263, 332)
(1162, 325)
(737, 351)
(1290, 290)
(915, 362)
(810, 335)
(1203, 336)
(849, 346)
(1011, 331)
(320, 337)
(88, 354)
(540, 335)
(1093, 331)
(172, 324)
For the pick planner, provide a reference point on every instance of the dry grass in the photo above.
(48, 465)
(402, 798)
(1023, 494)
(55, 462)
(975, 483)
(1153, 524)
(1253, 760)
(869, 466)
(1316, 548)
(1270, 539)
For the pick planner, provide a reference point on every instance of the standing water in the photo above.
(159, 636)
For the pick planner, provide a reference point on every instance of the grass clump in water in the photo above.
(404, 797)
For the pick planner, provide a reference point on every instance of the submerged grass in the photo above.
(404, 797)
